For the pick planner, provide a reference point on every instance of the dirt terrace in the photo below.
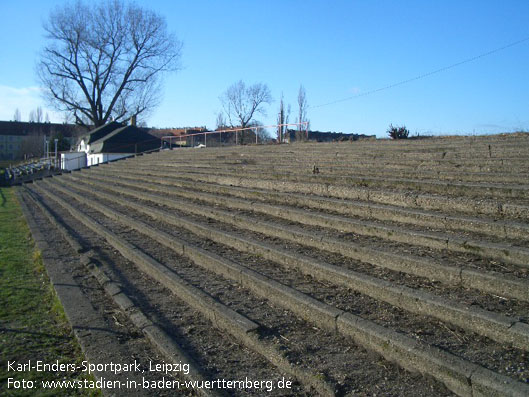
(371, 268)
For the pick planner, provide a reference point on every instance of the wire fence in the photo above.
(238, 136)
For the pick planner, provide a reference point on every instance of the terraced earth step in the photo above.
(490, 324)
(466, 157)
(220, 315)
(363, 174)
(344, 168)
(493, 282)
(459, 375)
(486, 167)
(406, 199)
(503, 252)
(103, 340)
(241, 239)
(482, 190)
(198, 331)
(96, 265)
(488, 226)
(351, 154)
(352, 353)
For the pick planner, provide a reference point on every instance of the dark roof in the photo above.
(101, 131)
(127, 139)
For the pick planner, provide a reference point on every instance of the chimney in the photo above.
(133, 120)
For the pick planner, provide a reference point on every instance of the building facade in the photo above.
(22, 140)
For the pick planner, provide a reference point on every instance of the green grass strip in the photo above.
(32, 322)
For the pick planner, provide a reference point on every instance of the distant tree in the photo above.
(35, 116)
(105, 60)
(398, 132)
(221, 122)
(16, 116)
(302, 108)
(38, 114)
(241, 103)
(282, 118)
(47, 120)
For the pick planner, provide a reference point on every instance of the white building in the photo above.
(109, 142)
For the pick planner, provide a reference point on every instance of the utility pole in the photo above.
(56, 141)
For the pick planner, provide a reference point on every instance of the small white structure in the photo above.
(100, 158)
(73, 161)
(83, 146)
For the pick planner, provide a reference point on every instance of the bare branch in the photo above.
(106, 60)
(241, 103)
(302, 107)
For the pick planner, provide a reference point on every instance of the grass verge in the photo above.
(32, 322)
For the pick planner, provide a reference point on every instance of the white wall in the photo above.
(83, 147)
(100, 158)
(73, 161)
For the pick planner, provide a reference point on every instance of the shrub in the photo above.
(398, 132)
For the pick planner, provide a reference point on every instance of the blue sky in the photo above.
(336, 49)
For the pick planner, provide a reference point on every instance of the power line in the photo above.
(422, 76)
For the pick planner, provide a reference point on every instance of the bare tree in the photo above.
(47, 120)
(16, 116)
(38, 114)
(105, 60)
(241, 103)
(302, 107)
(35, 116)
(221, 122)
